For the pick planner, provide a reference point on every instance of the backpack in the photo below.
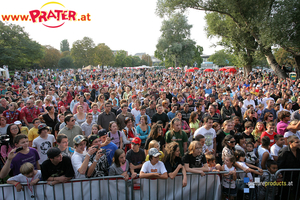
(109, 134)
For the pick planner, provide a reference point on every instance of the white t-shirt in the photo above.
(43, 145)
(290, 133)
(246, 103)
(275, 149)
(157, 168)
(77, 160)
(242, 175)
(209, 136)
(23, 179)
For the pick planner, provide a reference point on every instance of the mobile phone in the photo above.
(103, 151)
(96, 147)
(19, 149)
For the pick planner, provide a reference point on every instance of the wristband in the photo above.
(17, 184)
(96, 160)
(88, 154)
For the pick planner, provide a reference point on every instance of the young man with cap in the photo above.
(154, 168)
(98, 164)
(80, 159)
(110, 147)
(135, 156)
(43, 142)
(57, 168)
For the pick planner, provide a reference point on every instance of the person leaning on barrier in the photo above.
(135, 156)
(120, 165)
(80, 160)
(154, 168)
(173, 162)
(194, 160)
(98, 162)
(57, 168)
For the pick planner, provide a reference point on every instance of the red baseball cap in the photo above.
(136, 140)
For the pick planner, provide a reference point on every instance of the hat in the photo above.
(42, 127)
(154, 152)
(53, 152)
(17, 122)
(248, 93)
(79, 138)
(206, 95)
(133, 96)
(102, 132)
(136, 140)
(92, 137)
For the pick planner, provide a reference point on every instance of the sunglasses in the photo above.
(270, 116)
(232, 142)
(72, 120)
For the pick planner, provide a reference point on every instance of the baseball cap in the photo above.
(42, 127)
(102, 132)
(53, 152)
(17, 122)
(92, 137)
(133, 96)
(79, 138)
(136, 140)
(154, 152)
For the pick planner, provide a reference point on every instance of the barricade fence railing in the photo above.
(115, 187)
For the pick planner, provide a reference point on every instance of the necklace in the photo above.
(12, 115)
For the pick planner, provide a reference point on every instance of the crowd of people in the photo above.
(60, 125)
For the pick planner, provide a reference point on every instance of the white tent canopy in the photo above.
(139, 67)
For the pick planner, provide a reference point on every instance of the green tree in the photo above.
(197, 55)
(136, 61)
(64, 45)
(103, 55)
(82, 52)
(148, 59)
(284, 57)
(51, 58)
(249, 16)
(17, 50)
(66, 62)
(222, 58)
(175, 44)
(120, 58)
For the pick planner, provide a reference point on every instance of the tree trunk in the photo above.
(274, 65)
(247, 69)
(297, 67)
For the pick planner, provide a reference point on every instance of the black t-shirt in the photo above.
(249, 138)
(65, 168)
(136, 158)
(220, 137)
(160, 139)
(163, 117)
(171, 168)
(194, 162)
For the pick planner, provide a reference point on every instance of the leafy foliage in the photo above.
(66, 62)
(175, 44)
(147, 59)
(17, 50)
(83, 52)
(222, 58)
(103, 55)
(51, 58)
(64, 45)
(120, 58)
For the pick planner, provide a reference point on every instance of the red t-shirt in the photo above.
(11, 117)
(30, 113)
(271, 136)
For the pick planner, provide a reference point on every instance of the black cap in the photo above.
(93, 137)
(53, 152)
(102, 132)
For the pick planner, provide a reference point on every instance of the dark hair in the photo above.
(248, 124)
(154, 131)
(277, 137)
(283, 114)
(291, 138)
(60, 137)
(238, 137)
(68, 118)
(199, 137)
(270, 162)
(205, 120)
(226, 139)
(48, 108)
(19, 137)
(238, 154)
(251, 143)
(127, 119)
(117, 154)
(265, 141)
(8, 132)
(35, 119)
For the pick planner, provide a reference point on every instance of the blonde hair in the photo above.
(193, 145)
(26, 168)
(153, 143)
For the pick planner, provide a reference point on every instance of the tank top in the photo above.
(261, 151)
(228, 180)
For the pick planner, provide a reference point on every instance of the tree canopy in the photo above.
(17, 50)
(222, 58)
(82, 52)
(64, 45)
(174, 44)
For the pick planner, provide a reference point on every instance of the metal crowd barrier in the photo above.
(116, 188)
